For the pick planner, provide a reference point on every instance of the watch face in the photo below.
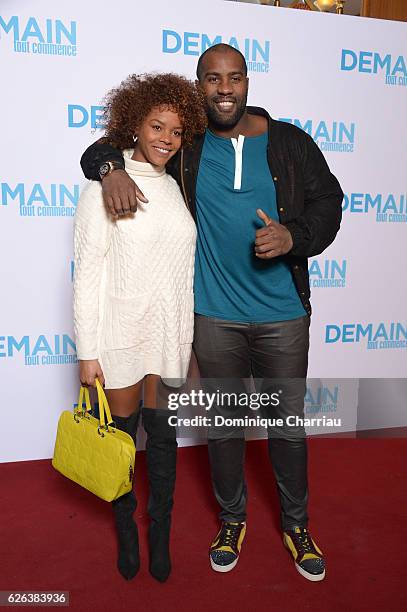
(104, 169)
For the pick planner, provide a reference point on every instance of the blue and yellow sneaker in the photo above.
(225, 549)
(306, 554)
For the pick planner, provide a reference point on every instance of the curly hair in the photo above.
(129, 104)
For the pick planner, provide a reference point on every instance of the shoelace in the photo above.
(229, 535)
(303, 542)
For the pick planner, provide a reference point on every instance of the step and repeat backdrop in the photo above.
(341, 79)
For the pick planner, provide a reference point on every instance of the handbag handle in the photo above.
(83, 395)
(105, 417)
(104, 409)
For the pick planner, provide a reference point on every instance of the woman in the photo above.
(133, 300)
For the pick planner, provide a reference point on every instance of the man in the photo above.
(264, 200)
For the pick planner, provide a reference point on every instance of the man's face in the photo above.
(225, 86)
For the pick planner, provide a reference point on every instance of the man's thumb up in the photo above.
(264, 217)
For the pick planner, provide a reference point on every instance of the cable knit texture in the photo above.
(133, 284)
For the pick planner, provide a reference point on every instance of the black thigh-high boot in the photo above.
(161, 449)
(128, 562)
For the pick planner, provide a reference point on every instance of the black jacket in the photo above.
(309, 197)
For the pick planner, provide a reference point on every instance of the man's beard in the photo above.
(225, 120)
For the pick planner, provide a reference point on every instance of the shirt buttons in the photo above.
(275, 178)
(281, 209)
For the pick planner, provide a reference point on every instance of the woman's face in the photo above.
(159, 137)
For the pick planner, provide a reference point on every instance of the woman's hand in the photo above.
(89, 370)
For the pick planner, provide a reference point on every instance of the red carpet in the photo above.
(56, 536)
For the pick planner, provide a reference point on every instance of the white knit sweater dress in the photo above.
(133, 283)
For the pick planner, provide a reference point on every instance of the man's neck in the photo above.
(248, 125)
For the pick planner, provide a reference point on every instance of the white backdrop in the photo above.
(343, 79)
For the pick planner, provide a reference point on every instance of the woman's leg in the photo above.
(124, 406)
(124, 402)
(161, 450)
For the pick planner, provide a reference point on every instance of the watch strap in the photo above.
(96, 155)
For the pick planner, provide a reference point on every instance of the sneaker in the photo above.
(306, 554)
(225, 549)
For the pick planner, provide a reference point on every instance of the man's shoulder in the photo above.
(284, 127)
(279, 128)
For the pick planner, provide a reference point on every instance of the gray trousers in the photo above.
(276, 356)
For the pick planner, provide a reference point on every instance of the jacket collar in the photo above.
(257, 110)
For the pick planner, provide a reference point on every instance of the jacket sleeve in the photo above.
(315, 229)
(92, 233)
(95, 155)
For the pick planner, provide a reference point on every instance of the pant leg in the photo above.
(222, 352)
(279, 356)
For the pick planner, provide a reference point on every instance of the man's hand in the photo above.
(89, 370)
(272, 240)
(121, 194)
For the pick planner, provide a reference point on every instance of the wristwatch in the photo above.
(108, 167)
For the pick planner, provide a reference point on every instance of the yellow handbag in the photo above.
(92, 452)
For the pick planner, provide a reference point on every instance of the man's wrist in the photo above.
(295, 232)
(290, 241)
(108, 167)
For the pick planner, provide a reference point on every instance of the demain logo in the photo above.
(40, 36)
(388, 208)
(336, 136)
(39, 350)
(384, 335)
(323, 398)
(79, 116)
(327, 273)
(38, 200)
(393, 68)
(256, 53)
